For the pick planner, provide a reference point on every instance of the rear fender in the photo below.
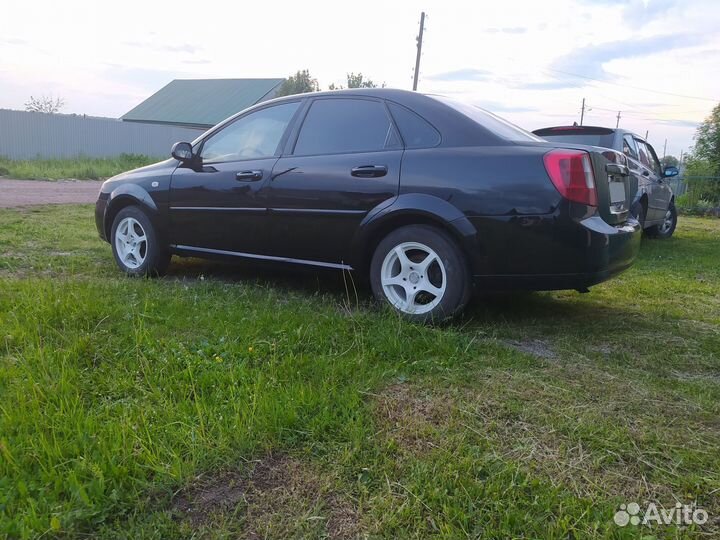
(408, 209)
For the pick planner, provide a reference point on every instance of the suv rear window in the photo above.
(578, 135)
(499, 126)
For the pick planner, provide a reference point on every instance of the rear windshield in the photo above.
(592, 137)
(495, 124)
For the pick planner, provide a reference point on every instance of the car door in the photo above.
(656, 208)
(343, 161)
(214, 205)
(664, 193)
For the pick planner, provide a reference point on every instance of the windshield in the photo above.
(499, 126)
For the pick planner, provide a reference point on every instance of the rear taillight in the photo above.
(571, 172)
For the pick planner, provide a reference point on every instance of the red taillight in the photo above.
(571, 172)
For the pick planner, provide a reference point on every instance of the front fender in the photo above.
(132, 191)
(412, 208)
(126, 195)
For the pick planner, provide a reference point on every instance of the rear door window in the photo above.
(341, 125)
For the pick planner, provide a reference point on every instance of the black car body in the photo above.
(328, 177)
(654, 202)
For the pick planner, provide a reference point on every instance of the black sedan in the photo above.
(424, 195)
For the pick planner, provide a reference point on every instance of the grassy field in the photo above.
(221, 401)
(82, 168)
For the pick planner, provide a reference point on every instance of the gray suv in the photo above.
(654, 203)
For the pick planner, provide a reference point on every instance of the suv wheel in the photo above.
(135, 244)
(667, 227)
(421, 272)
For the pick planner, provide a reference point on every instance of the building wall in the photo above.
(28, 135)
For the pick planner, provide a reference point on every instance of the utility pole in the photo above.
(419, 39)
(664, 148)
(582, 112)
(617, 124)
(646, 134)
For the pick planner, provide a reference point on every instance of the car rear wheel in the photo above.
(135, 244)
(667, 227)
(420, 271)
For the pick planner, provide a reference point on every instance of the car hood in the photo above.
(140, 173)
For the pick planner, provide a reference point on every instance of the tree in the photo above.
(707, 144)
(669, 161)
(355, 81)
(300, 83)
(45, 104)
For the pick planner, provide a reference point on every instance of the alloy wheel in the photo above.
(413, 278)
(667, 222)
(131, 243)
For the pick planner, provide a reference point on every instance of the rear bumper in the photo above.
(592, 253)
(613, 249)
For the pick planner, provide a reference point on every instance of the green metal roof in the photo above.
(202, 102)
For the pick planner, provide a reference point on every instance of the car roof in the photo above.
(455, 127)
(408, 98)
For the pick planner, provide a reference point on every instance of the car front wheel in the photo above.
(421, 272)
(135, 244)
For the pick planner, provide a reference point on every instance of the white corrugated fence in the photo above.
(28, 135)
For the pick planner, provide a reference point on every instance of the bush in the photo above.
(693, 206)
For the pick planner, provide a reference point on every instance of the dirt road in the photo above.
(33, 192)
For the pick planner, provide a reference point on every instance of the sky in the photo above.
(532, 62)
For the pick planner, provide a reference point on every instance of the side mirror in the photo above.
(182, 151)
(670, 172)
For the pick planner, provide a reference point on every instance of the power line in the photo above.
(634, 87)
(640, 115)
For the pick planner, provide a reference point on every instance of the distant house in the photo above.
(202, 103)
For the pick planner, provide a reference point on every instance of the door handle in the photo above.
(249, 176)
(369, 171)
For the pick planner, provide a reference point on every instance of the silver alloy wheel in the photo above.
(131, 243)
(413, 278)
(667, 222)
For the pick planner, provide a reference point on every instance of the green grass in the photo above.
(80, 168)
(220, 402)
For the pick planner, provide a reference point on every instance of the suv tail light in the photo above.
(571, 172)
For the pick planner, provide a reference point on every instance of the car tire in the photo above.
(422, 273)
(135, 244)
(642, 216)
(667, 228)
